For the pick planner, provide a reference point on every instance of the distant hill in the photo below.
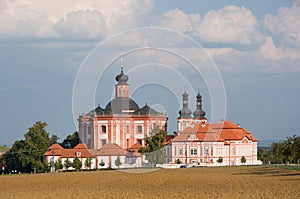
(266, 143)
(3, 149)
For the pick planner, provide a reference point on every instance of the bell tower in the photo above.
(122, 87)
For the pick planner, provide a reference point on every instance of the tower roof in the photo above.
(122, 78)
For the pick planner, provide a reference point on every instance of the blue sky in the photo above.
(255, 46)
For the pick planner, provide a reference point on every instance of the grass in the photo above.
(222, 182)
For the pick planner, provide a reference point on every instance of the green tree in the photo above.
(278, 153)
(88, 163)
(71, 141)
(58, 164)
(292, 149)
(12, 157)
(118, 162)
(154, 149)
(178, 161)
(243, 159)
(76, 164)
(67, 164)
(37, 142)
(220, 160)
(28, 155)
(102, 163)
(264, 154)
(53, 139)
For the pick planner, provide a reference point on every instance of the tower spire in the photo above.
(122, 63)
(199, 113)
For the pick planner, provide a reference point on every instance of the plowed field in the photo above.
(225, 182)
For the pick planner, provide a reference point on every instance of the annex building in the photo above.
(199, 143)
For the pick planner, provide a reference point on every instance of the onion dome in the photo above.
(122, 78)
(185, 112)
(199, 113)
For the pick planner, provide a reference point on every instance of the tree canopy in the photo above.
(154, 148)
(287, 151)
(71, 141)
(28, 155)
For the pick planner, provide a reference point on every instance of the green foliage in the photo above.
(178, 161)
(28, 155)
(265, 155)
(220, 160)
(67, 164)
(88, 163)
(71, 141)
(243, 159)
(287, 151)
(118, 162)
(53, 139)
(76, 164)
(58, 164)
(154, 149)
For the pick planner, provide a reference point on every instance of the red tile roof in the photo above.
(80, 150)
(223, 131)
(57, 149)
(80, 146)
(111, 149)
(136, 146)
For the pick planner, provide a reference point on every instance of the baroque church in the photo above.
(119, 129)
(121, 121)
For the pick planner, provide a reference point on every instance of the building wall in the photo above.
(124, 131)
(207, 153)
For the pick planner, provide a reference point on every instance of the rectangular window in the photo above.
(103, 142)
(206, 151)
(139, 129)
(193, 151)
(103, 129)
(180, 152)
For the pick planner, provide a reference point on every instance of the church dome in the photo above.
(119, 105)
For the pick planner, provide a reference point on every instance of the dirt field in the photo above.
(226, 182)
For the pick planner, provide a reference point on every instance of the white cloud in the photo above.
(233, 25)
(22, 21)
(230, 25)
(285, 26)
(82, 24)
(180, 21)
(34, 18)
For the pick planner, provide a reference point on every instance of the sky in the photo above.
(59, 59)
